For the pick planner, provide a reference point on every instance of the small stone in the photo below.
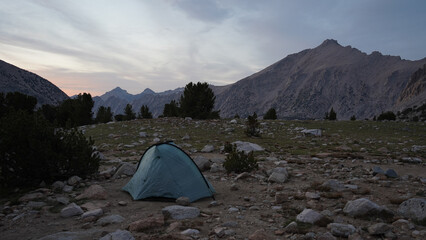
(341, 230)
(333, 185)
(190, 232)
(277, 177)
(280, 197)
(73, 180)
(259, 235)
(391, 173)
(379, 229)
(183, 201)
(71, 210)
(233, 209)
(207, 149)
(111, 219)
(363, 207)
(377, 170)
(93, 213)
(219, 231)
(326, 236)
(31, 197)
(58, 185)
(122, 203)
(180, 212)
(234, 187)
(67, 188)
(147, 224)
(118, 235)
(312, 217)
(127, 169)
(311, 195)
(291, 228)
(63, 200)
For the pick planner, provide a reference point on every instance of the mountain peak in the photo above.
(118, 89)
(148, 91)
(330, 42)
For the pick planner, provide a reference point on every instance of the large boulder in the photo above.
(414, 208)
(180, 212)
(364, 208)
(147, 223)
(127, 169)
(312, 217)
(202, 163)
(247, 147)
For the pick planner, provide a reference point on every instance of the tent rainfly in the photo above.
(166, 171)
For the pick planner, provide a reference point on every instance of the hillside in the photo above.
(307, 84)
(14, 79)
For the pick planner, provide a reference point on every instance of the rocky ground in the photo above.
(333, 183)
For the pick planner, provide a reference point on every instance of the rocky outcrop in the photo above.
(14, 79)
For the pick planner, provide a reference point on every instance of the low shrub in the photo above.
(238, 162)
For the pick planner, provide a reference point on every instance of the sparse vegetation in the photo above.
(252, 126)
(238, 162)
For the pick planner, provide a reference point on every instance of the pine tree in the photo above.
(271, 114)
(128, 113)
(197, 101)
(144, 112)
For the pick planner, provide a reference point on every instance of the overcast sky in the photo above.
(96, 45)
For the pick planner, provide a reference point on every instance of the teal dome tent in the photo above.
(166, 171)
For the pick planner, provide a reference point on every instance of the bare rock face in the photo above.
(14, 79)
(307, 84)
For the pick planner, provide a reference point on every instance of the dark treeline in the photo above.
(41, 145)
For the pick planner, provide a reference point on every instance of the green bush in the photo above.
(32, 150)
(238, 161)
(252, 126)
(387, 116)
(227, 147)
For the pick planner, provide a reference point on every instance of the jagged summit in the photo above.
(329, 42)
(148, 91)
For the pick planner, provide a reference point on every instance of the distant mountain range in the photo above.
(303, 85)
(14, 79)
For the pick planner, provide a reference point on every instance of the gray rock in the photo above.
(31, 196)
(111, 219)
(183, 201)
(379, 229)
(411, 160)
(230, 224)
(377, 170)
(391, 173)
(72, 181)
(202, 163)
(312, 217)
(341, 230)
(314, 132)
(233, 121)
(127, 169)
(214, 168)
(143, 134)
(58, 185)
(93, 213)
(414, 208)
(186, 137)
(118, 235)
(180, 212)
(93, 192)
(247, 147)
(334, 185)
(32, 204)
(67, 188)
(71, 210)
(207, 149)
(363, 207)
(190, 232)
(326, 236)
(63, 200)
(312, 195)
(277, 177)
(291, 228)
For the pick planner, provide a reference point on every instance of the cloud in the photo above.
(205, 10)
